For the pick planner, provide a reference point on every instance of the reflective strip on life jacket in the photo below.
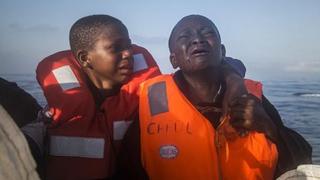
(139, 62)
(120, 128)
(77, 147)
(157, 96)
(66, 78)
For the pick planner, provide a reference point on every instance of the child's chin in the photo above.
(125, 79)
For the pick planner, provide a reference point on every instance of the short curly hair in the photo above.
(85, 31)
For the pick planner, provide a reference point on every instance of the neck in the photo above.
(201, 86)
(105, 86)
(208, 78)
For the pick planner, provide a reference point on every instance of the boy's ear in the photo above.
(173, 61)
(83, 58)
(223, 50)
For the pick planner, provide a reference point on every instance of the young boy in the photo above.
(182, 132)
(92, 94)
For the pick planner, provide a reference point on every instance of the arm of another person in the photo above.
(129, 164)
(248, 113)
(293, 149)
(22, 107)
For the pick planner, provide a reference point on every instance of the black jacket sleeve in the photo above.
(21, 106)
(23, 109)
(293, 149)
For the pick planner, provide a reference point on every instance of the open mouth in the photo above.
(199, 52)
(126, 67)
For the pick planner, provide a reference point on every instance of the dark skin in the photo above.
(197, 50)
(108, 63)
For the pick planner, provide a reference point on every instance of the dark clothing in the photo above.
(23, 109)
(236, 65)
(21, 106)
(293, 149)
(37, 155)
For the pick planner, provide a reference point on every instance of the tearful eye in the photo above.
(113, 48)
(116, 48)
(120, 45)
(183, 37)
(128, 46)
(208, 33)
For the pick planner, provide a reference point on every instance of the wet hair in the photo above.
(186, 18)
(85, 31)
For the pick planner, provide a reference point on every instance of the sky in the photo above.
(275, 39)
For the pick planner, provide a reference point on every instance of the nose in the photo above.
(198, 39)
(127, 53)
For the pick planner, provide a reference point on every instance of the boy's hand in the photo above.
(247, 113)
(45, 115)
(235, 88)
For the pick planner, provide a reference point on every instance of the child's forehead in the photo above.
(193, 23)
(113, 29)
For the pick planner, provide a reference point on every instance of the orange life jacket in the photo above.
(85, 137)
(178, 142)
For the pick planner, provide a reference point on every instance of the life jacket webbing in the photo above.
(139, 62)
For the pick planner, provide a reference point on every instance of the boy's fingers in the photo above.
(241, 123)
(235, 101)
(244, 100)
(236, 114)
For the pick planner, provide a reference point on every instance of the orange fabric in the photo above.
(76, 114)
(197, 150)
(179, 128)
(254, 88)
